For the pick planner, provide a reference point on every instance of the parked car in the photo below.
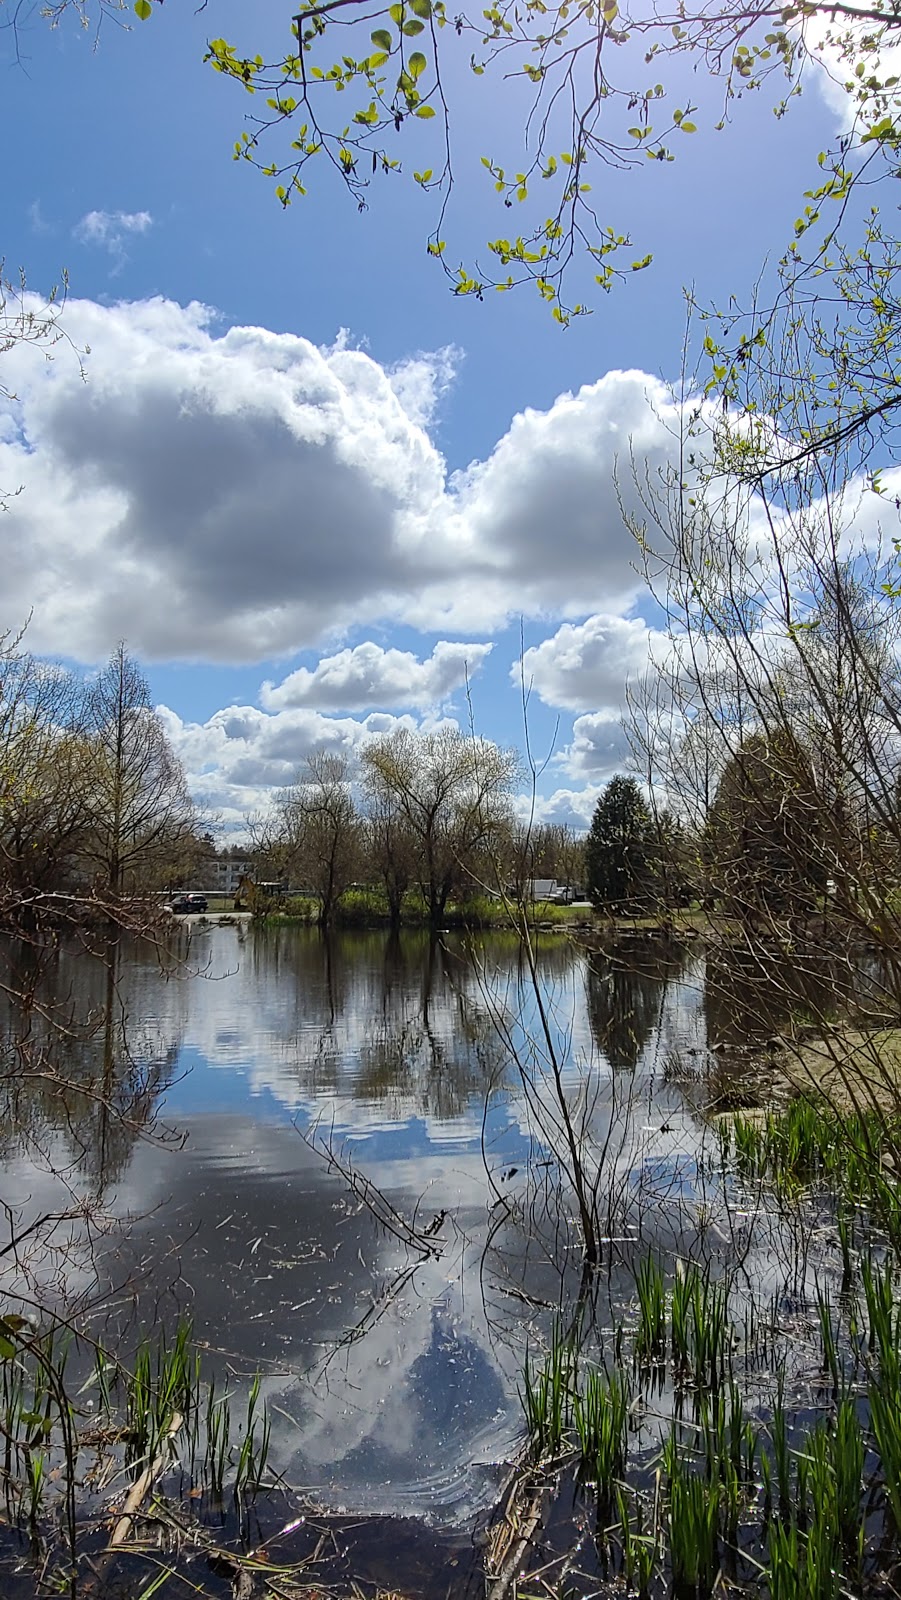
(186, 904)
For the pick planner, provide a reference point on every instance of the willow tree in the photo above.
(43, 777)
(138, 806)
(451, 792)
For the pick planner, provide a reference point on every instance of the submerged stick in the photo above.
(138, 1490)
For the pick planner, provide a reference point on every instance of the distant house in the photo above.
(225, 875)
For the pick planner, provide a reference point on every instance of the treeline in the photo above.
(757, 852)
(781, 775)
(94, 807)
(429, 816)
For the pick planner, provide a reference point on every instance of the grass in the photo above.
(368, 908)
(600, 1414)
(650, 1338)
(547, 1396)
(693, 1517)
(737, 1491)
(700, 1334)
(157, 1415)
(813, 1144)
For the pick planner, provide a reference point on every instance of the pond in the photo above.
(392, 1377)
(340, 1160)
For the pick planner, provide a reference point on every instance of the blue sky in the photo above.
(323, 523)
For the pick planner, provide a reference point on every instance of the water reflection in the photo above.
(751, 994)
(626, 994)
(429, 1068)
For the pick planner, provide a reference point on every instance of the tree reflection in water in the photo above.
(80, 1084)
(423, 1064)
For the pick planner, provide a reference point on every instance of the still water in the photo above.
(337, 1160)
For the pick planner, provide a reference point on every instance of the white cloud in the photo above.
(569, 808)
(109, 229)
(599, 749)
(369, 676)
(837, 48)
(420, 381)
(241, 495)
(587, 665)
(237, 757)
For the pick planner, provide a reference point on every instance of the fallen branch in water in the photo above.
(140, 1489)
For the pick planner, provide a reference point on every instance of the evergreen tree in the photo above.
(619, 849)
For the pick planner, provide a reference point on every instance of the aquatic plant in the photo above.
(168, 1418)
(650, 1335)
(692, 1525)
(601, 1418)
(164, 1383)
(640, 1548)
(701, 1334)
(547, 1398)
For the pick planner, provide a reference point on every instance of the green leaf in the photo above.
(381, 39)
(413, 27)
(421, 8)
(7, 1349)
(417, 64)
(425, 111)
(143, 8)
(688, 127)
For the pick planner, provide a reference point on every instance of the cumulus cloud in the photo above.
(235, 759)
(369, 676)
(109, 229)
(243, 494)
(568, 808)
(599, 748)
(420, 381)
(587, 665)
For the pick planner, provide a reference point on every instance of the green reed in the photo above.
(828, 1340)
(813, 1142)
(785, 1576)
(746, 1487)
(164, 1403)
(601, 1418)
(218, 1433)
(640, 1549)
(650, 1335)
(547, 1398)
(164, 1383)
(692, 1525)
(700, 1331)
(848, 1454)
(884, 1389)
(254, 1448)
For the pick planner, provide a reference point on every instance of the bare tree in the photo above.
(138, 803)
(317, 827)
(772, 718)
